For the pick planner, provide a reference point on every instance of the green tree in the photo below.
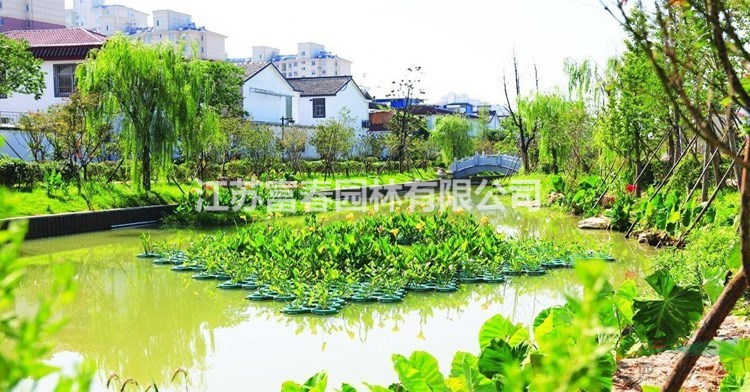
(637, 115)
(20, 71)
(404, 125)
(78, 136)
(292, 142)
(334, 139)
(224, 80)
(156, 95)
(453, 135)
(260, 148)
(36, 129)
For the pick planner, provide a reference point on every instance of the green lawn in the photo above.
(92, 198)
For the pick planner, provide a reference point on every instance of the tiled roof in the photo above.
(58, 37)
(428, 109)
(309, 87)
(251, 69)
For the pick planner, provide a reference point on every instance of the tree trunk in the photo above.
(146, 176)
(638, 163)
(704, 184)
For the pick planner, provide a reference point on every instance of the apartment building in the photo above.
(173, 26)
(31, 14)
(311, 60)
(105, 19)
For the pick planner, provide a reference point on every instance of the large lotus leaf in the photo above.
(348, 388)
(735, 357)
(713, 283)
(735, 383)
(665, 320)
(316, 383)
(419, 373)
(618, 310)
(499, 327)
(500, 356)
(465, 377)
(548, 320)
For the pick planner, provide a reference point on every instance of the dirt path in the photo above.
(634, 373)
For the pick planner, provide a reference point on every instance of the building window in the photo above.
(313, 72)
(158, 23)
(28, 8)
(1, 21)
(64, 76)
(303, 53)
(319, 107)
(303, 68)
(324, 72)
(313, 62)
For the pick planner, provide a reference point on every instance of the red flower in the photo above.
(631, 188)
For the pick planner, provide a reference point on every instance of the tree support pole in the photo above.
(648, 162)
(724, 305)
(708, 203)
(664, 181)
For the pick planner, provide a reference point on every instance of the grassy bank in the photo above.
(91, 198)
(95, 197)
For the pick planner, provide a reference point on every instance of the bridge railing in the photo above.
(507, 162)
(9, 119)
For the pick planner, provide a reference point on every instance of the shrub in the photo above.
(15, 173)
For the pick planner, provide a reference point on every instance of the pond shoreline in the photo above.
(58, 225)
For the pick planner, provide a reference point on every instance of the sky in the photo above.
(464, 47)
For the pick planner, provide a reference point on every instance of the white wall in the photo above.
(26, 103)
(349, 97)
(265, 107)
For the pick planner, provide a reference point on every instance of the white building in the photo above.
(311, 60)
(268, 98)
(61, 50)
(105, 19)
(267, 95)
(31, 14)
(173, 26)
(322, 98)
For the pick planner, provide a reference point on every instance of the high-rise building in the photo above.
(311, 60)
(32, 14)
(105, 19)
(173, 26)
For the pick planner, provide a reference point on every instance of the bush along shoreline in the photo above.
(318, 268)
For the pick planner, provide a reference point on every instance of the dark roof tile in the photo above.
(251, 69)
(58, 37)
(320, 86)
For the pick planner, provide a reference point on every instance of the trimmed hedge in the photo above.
(15, 173)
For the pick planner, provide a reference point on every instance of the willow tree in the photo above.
(149, 92)
(453, 135)
(20, 71)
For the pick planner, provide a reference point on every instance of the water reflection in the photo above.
(143, 322)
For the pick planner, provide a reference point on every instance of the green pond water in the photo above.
(142, 321)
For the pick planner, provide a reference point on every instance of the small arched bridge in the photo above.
(505, 165)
